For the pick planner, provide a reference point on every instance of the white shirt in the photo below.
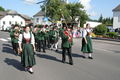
(84, 32)
(26, 35)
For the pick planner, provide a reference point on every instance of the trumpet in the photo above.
(67, 33)
(16, 34)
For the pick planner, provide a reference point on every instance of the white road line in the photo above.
(9, 38)
(103, 50)
(2, 39)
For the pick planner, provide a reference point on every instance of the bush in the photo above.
(100, 29)
(93, 35)
(112, 34)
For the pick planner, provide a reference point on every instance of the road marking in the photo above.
(102, 50)
(2, 39)
(9, 38)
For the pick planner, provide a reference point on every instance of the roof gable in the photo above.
(117, 8)
(40, 13)
(11, 12)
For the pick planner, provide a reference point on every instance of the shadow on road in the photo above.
(116, 51)
(48, 57)
(16, 64)
(7, 48)
(77, 55)
(73, 54)
(8, 45)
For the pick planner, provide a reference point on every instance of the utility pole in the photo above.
(44, 5)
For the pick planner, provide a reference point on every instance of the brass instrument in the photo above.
(68, 33)
(16, 34)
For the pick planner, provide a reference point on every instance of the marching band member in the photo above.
(67, 45)
(47, 38)
(54, 37)
(14, 34)
(35, 30)
(27, 48)
(41, 39)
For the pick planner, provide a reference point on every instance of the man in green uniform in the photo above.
(35, 31)
(67, 45)
(14, 34)
(47, 40)
(41, 38)
(54, 37)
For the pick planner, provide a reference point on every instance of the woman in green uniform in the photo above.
(87, 42)
(27, 47)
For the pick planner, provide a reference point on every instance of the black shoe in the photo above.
(71, 63)
(90, 57)
(44, 51)
(83, 57)
(30, 72)
(39, 50)
(63, 61)
(56, 50)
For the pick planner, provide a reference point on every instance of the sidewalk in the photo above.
(117, 40)
(114, 42)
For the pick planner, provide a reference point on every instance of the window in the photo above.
(37, 20)
(12, 16)
(15, 22)
(21, 22)
(119, 18)
(3, 22)
(10, 22)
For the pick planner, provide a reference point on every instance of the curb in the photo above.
(107, 39)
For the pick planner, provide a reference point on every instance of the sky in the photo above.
(94, 8)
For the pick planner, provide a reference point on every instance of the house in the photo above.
(27, 19)
(116, 17)
(39, 18)
(110, 28)
(7, 18)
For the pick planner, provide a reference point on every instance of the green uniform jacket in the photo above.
(65, 42)
(61, 30)
(41, 35)
(53, 35)
(13, 39)
(47, 33)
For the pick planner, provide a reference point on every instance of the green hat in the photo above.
(40, 26)
(22, 26)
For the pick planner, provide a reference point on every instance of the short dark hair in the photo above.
(87, 24)
(16, 25)
(27, 26)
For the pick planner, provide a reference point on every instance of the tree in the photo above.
(75, 10)
(57, 9)
(107, 21)
(100, 29)
(101, 18)
(2, 9)
(53, 9)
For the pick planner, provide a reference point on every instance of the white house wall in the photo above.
(40, 21)
(116, 24)
(13, 19)
(92, 24)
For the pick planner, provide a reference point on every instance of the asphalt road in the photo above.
(104, 66)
